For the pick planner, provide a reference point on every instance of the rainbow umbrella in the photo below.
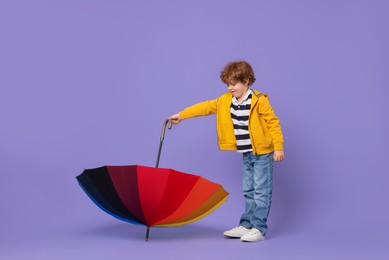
(154, 197)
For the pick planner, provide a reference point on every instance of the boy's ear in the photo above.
(246, 82)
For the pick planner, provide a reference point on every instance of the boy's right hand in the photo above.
(175, 119)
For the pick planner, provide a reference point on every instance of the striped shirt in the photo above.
(240, 112)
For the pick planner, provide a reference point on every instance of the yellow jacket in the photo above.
(264, 125)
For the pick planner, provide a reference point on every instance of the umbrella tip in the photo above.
(147, 233)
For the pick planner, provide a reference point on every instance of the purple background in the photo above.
(89, 83)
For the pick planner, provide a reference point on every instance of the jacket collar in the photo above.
(255, 97)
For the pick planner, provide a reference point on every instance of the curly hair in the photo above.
(237, 71)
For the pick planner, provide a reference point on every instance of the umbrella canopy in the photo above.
(151, 196)
(154, 197)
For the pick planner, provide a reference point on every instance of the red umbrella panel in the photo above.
(151, 196)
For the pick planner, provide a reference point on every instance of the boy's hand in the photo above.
(278, 155)
(175, 119)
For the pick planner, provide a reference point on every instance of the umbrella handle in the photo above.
(162, 138)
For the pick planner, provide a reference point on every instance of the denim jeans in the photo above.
(257, 190)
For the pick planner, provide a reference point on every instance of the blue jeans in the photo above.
(257, 190)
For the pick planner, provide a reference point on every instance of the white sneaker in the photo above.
(236, 232)
(252, 235)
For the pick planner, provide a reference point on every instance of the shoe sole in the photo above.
(233, 236)
(228, 236)
(245, 240)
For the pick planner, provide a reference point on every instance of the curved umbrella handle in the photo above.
(163, 137)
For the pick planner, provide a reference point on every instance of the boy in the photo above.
(246, 123)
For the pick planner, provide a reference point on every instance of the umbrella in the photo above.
(151, 196)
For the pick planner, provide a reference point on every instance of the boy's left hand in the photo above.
(278, 155)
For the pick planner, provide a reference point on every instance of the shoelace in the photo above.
(239, 228)
(253, 231)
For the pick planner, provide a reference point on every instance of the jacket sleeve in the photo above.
(272, 122)
(205, 108)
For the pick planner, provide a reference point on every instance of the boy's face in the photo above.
(238, 89)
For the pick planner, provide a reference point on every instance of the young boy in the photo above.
(246, 123)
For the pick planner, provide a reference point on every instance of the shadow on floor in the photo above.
(129, 231)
